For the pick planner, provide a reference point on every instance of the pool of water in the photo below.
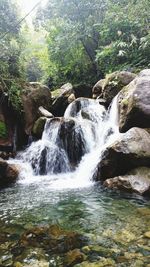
(116, 222)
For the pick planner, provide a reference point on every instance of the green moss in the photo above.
(3, 130)
(56, 93)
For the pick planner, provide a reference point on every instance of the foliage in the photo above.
(14, 95)
(73, 41)
(10, 41)
(3, 130)
(125, 36)
(88, 39)
(35, 54)
(11, 45)
(73, 38)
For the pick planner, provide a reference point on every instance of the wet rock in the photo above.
(32, 257)
(98, 89)
(82, 90)
(6, 260)
(71, 139)
(144, 212)
(51, 238)
(103, 102)
(6, 155)
(61, 100)
(8, 173)
(147, 235)
(134, 103)
(36, 263)
(103, 262)
(38, 127)
(100, 251)
(112, 84)
(130, 151)
(33, 96)
(45, 113)
(144, 73)
(124, 236)
(137, 180)
(17, 264)
(71, 98)
(66, 86)
(73, 257)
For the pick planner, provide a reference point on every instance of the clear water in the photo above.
(109, 220)
(115, 222)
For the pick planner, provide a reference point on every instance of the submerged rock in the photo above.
(52, 239)
(103, 262)
(130, 151)
(134, 103)
(73, 257)
(8, 173)
(137, 180)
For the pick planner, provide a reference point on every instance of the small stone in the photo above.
(147, 234)
(74, 256)
(86, 249)
(17, 264)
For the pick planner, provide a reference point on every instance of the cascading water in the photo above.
(71, 147)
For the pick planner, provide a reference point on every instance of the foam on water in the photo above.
(98, 130)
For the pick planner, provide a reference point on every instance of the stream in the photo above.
(51, 191)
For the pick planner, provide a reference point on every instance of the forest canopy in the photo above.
(74, 41)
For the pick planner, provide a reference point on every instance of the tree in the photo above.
(9, 39)
(87, 39)
(76, 27)
(125, 36)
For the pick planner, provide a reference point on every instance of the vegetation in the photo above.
(3, 130)
(73, 41)
(87, 39)
(11, 45)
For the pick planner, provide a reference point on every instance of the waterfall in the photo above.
(71, 147)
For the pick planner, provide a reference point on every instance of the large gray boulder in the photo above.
(61, 99)
(137, 180)
(131, 150)
(109, 87)
(33, 96)
(134, 103)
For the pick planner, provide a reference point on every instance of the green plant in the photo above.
(3, 130)
(14, 96)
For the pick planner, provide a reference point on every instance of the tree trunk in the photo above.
(90, 50)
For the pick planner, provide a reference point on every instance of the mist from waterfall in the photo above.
(71, 147)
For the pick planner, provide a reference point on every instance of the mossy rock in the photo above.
(134, 103)
(38, 127)
(114, 82)
(73, 257)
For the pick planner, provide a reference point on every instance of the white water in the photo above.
(98, 129)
